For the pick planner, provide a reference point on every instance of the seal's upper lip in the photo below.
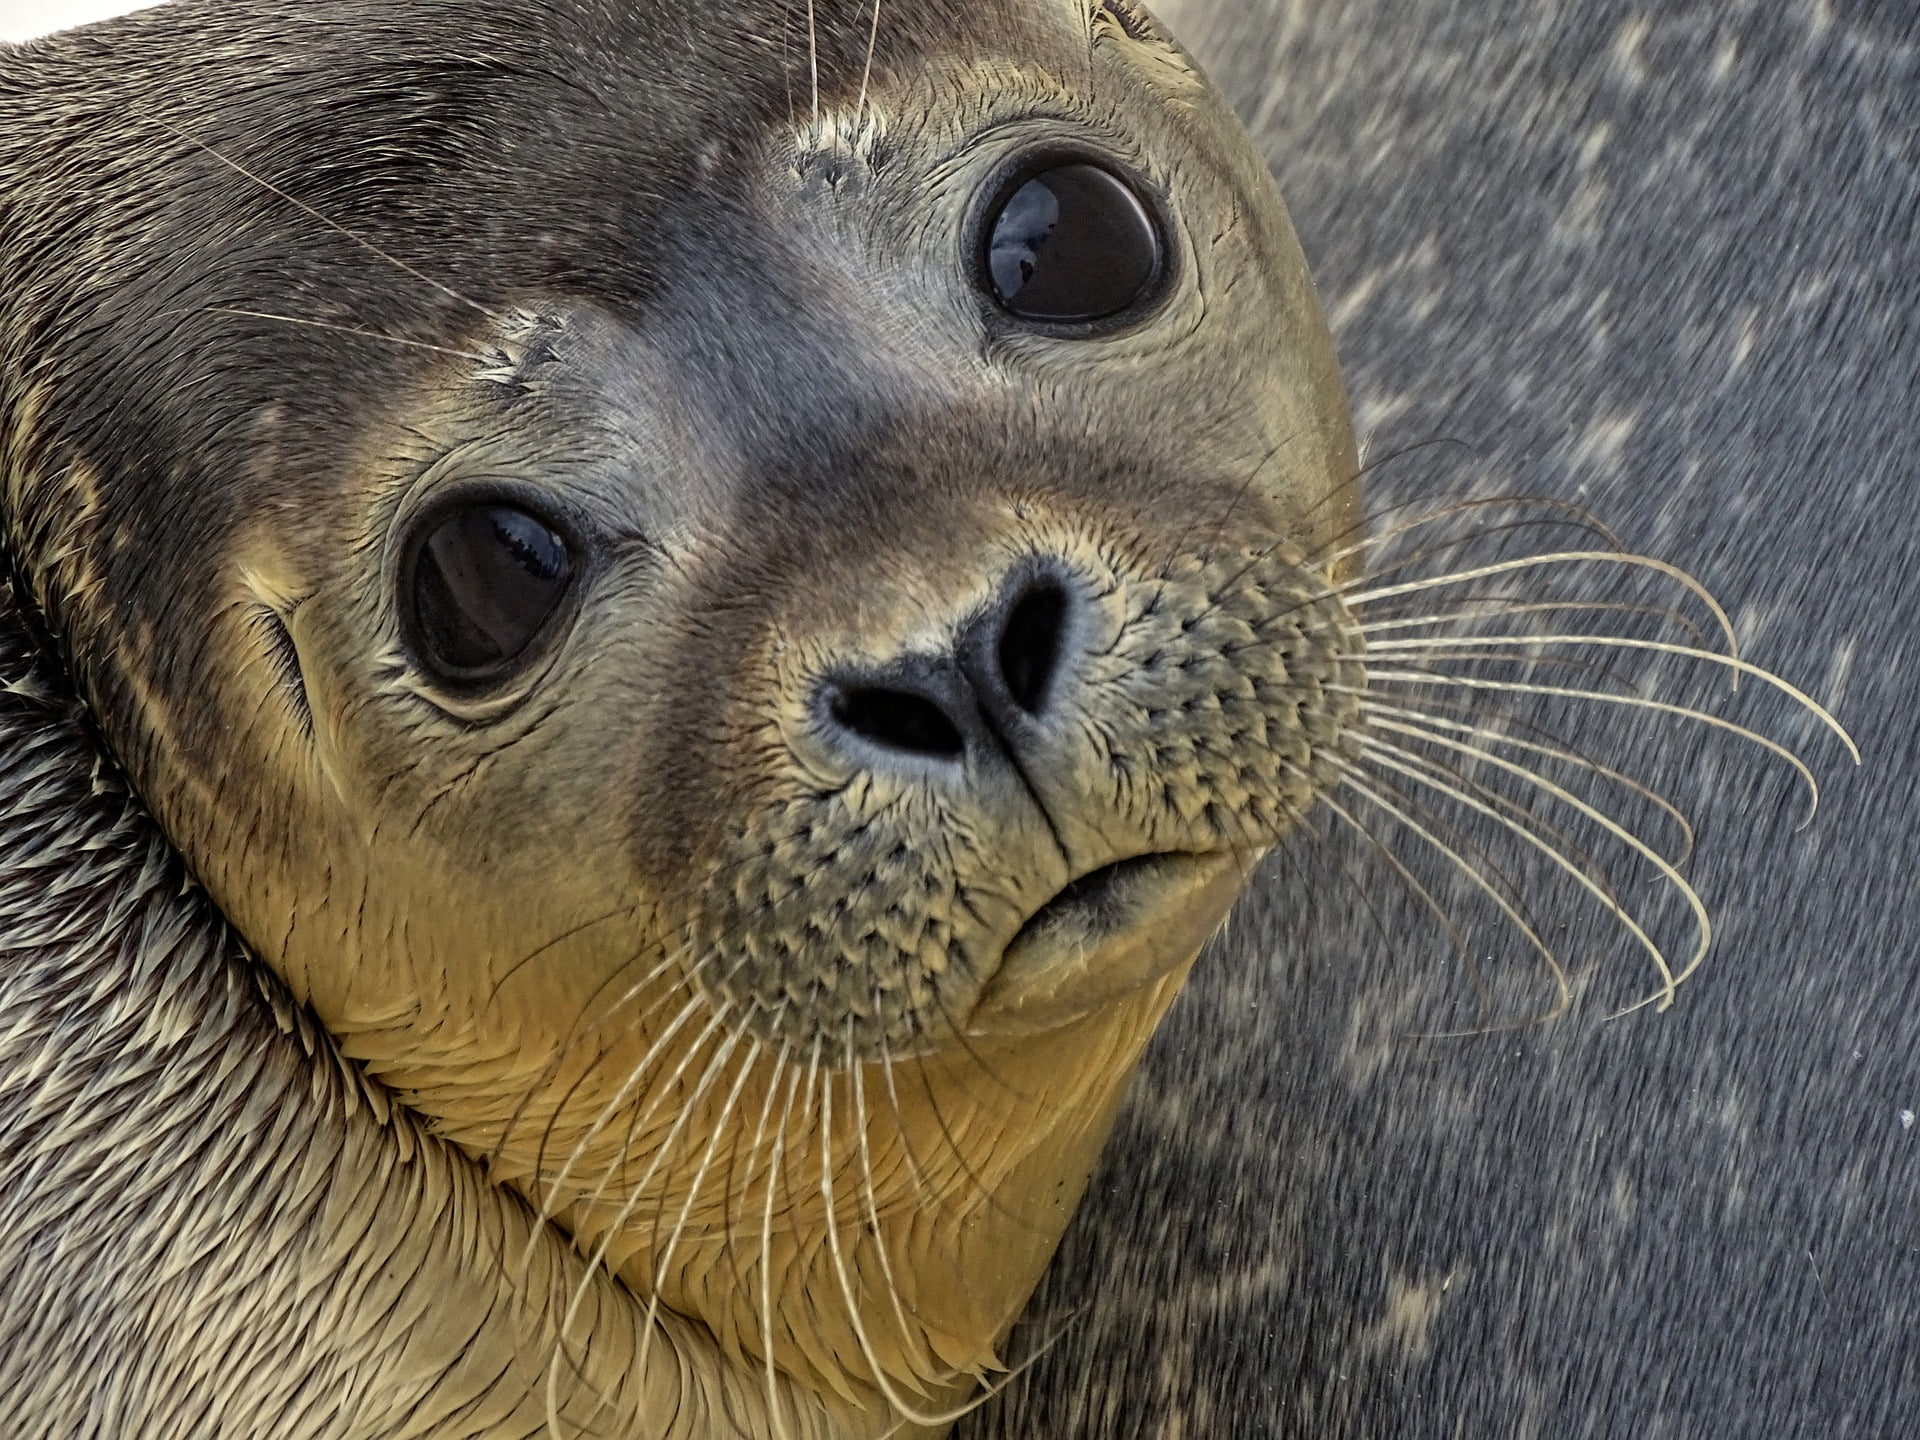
(1106, 933)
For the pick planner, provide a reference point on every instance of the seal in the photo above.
(725, 596)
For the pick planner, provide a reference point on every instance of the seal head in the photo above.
(729, 603)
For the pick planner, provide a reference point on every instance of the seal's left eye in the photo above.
(1072, 244)
(485, 581)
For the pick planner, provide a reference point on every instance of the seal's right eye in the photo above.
(486, 578)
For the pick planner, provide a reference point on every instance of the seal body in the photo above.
(724, 600)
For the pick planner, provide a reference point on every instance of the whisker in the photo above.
(1482, 859)
(1512, 813)
(1491, 736)
(1372, 538)
(355, 330)
(1504, 608)
(1000, 1082)
(914, 1171)
(660, 1259)
(1702, 920)
(493, 993)
(317, 216)
(1374, 917)
(1362, 785)
(980, 1186)
(1357, 596)
(638, 1071)
(1661, 647)
(1434, 661)
(1403, 763)
(917, 1357)
(636, 1075)
(1456, 939)
(1638, 702)
(1327, 563)
(866, 76)
(553, 1066)
(818, 1083)
(1254, 472)
(599, 1257)
(837, 1253)
(774, 1408)
(813, 61)
(740, 1184)
(629, 996)
(637, 1121)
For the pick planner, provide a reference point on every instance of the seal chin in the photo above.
(1106, 934)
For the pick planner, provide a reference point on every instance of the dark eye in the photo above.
(1070, 245)
(485, 581)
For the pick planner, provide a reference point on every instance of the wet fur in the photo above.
(163, 1096)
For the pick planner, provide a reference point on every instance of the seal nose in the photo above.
(1003, 675)
(914, 707)
(1014, 655)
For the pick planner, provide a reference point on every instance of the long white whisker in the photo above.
(902, 1405)
(1506, 609)
(1381, 676)
(774, 1408)
(1356, 596)
(315, 215)
(914, 1171)
(1510, 812)
(1622, 642)
(861, 1119)
(866, 76)
(1359, 783)
(813, 60)
(550, 1190)
(1422, 720)
(1702, 920)
(612, 1230)
(636, 1076)
(357, 330)
(1436, 660)
(663, 1257)
(637, 1121)
(1402, 762)
(632, 993)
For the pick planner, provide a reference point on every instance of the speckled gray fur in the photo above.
(1664, 259)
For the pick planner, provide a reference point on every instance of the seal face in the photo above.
(677, 575)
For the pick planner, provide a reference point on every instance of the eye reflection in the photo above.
(485, 582)
(1073, 244)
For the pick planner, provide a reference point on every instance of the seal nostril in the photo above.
(1029, 653)
(898, 720)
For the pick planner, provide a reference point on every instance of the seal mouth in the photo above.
(1098, 899)
(1107, 933)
